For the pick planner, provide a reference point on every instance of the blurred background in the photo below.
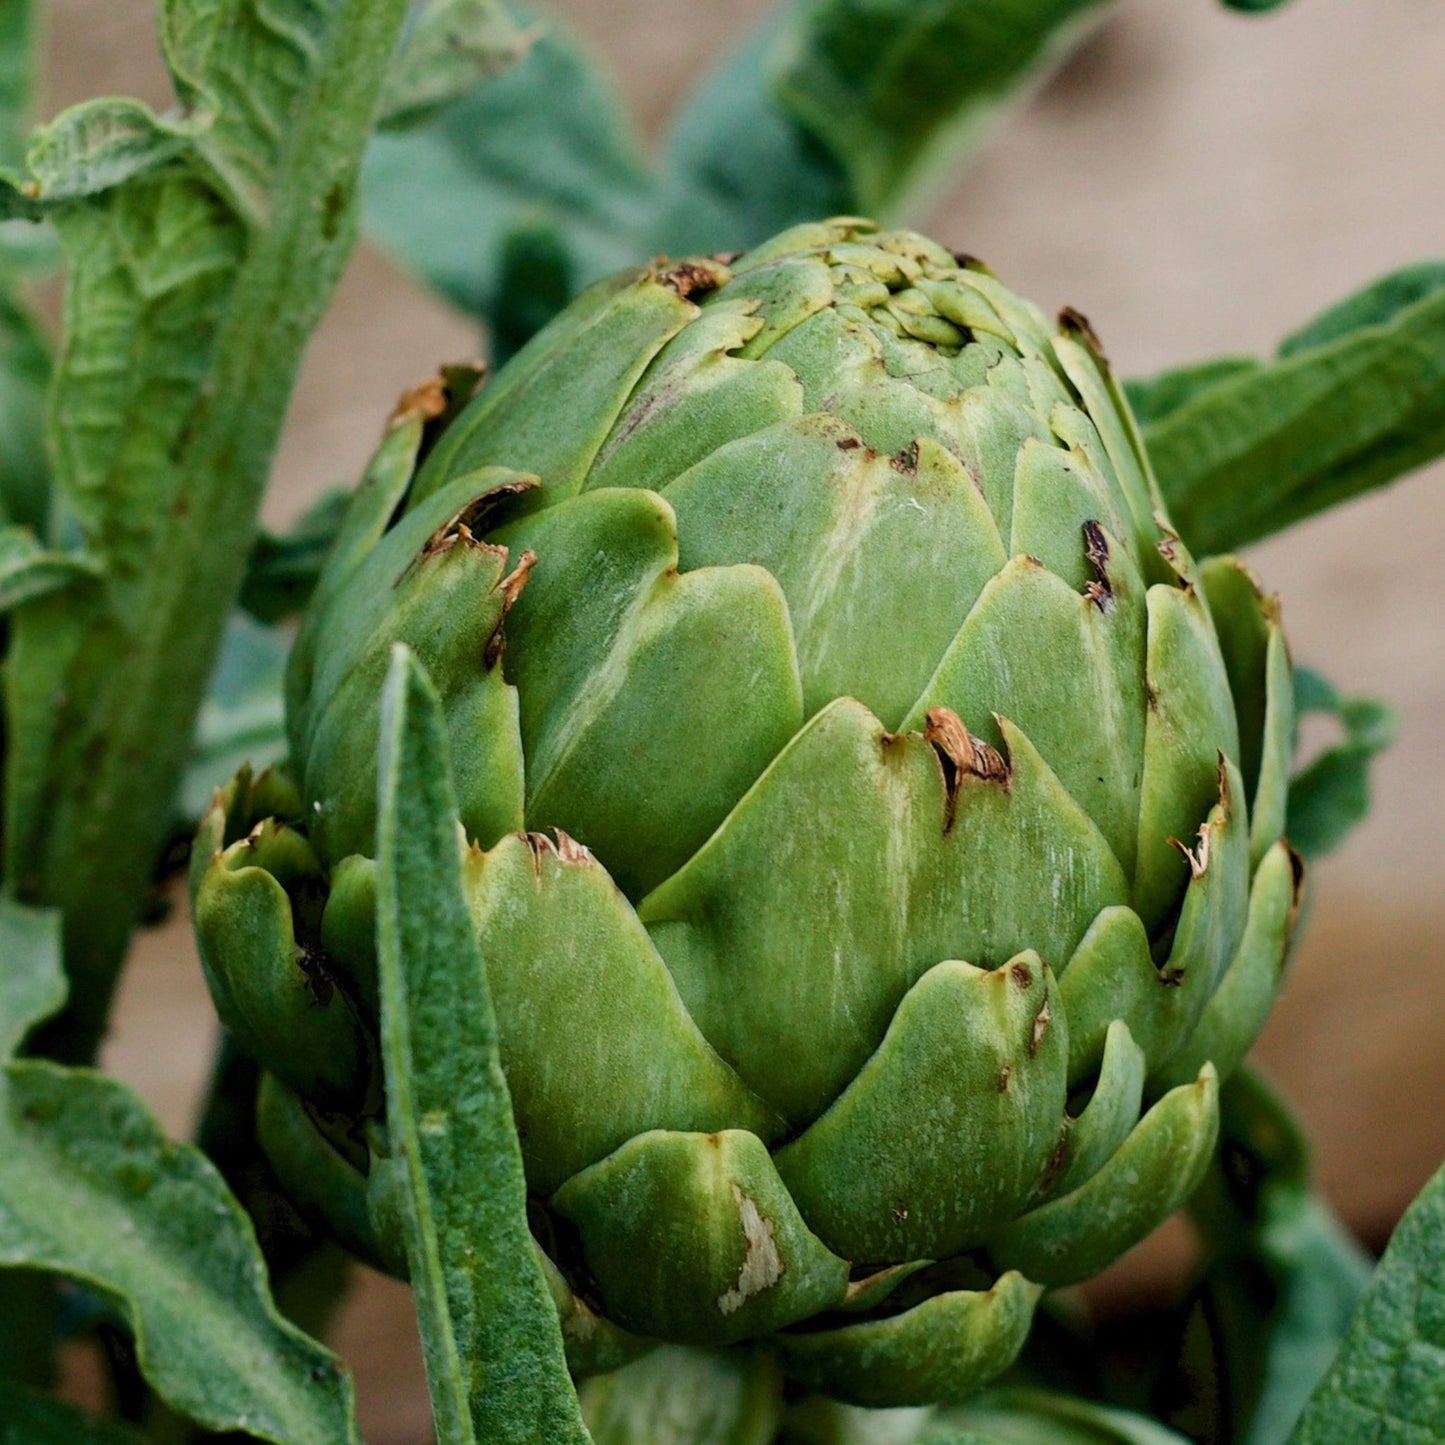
(1197, 182)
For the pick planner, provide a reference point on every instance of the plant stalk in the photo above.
(107, 820)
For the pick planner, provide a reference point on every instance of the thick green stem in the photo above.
(145, 677)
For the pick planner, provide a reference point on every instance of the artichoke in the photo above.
(873, 814)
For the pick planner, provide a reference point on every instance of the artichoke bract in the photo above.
(873, 814)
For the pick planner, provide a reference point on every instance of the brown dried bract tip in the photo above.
(1197, 858)
(690, 279)
(453, 533)
(1171, 548)
(511, 588)
(1042, 1020)
(1096, 549)
(1075, 323)
(446, 391)
(566, 848)
(967, 262)
(512, 584)
(961, 755)
(1297, 882)
(906, 461)
(1221, 779)
(425, 400)
(569, 850)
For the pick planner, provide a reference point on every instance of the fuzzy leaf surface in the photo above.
(1331, 794)
(897, 88)
(1350, 402)
(1387, 1385)
(450, 46)
(202, 247)
(24, 375)
(91, 1189)
(490, 1337)
(32, 976)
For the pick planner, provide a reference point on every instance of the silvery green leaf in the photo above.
(489, 1330)
(1331, 794)
(1350, 402)
(91, 1189)
(1388, 1380)
(450, 46)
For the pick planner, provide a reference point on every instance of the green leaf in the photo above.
(451, 45)
(738, 167)
(544, 147)
(24, 376)
(1042, 1417)
(679, 1396)
(282, 571)
(91, 1189)
(17, 77)
(202, 249)
(28, 571)
(1269, 1313)
(32, 975)
(28, 1418)
(1153, 399)
(1330, 795)
(489, 1328)
(828, 106)
(243, 719)
(896, 89)
(98, 145)
(1352, 401)
(1388, 1381)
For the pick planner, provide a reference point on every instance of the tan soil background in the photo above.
(1197, 182)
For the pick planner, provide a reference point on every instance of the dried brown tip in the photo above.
(961, 756)
(456, 532)
(1096, 549)
(569, 850)
(1042, 1020)
(511, 588)
(1297, 890)
(1197, 857)
(473, 519)
(512, 584)
(906, 461)
(538, 844)
(1075, 323)
(444, 392)
(694, 278)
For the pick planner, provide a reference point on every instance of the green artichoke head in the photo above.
(874, 814)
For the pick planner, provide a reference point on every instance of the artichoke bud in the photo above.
(876, 813)
(324, 1168)
(254, 904)
(348, 929)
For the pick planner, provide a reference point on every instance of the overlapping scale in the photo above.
(865, 548)
(594, 1039)
(855, 863)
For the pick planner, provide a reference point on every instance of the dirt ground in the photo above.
(1197, 182)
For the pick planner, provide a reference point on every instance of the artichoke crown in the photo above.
(874, 813)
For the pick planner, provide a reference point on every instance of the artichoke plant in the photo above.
(871, 814)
